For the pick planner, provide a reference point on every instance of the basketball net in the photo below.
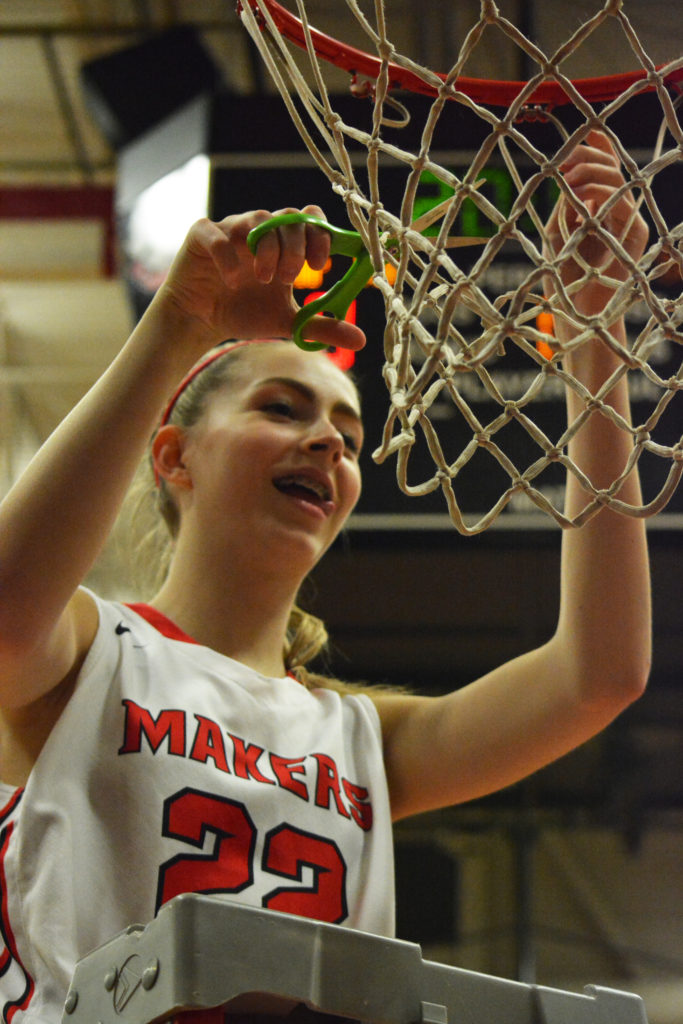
(427, 288)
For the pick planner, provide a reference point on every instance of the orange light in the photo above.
(309, 278)
(344, 358)
(545, 323)
(389, 272)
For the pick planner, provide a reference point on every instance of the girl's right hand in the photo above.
(217, 281)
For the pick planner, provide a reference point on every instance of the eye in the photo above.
(279, 407)
(351, 443)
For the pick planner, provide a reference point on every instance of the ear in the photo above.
(167, 456)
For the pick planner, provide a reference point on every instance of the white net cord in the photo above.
(429, 290)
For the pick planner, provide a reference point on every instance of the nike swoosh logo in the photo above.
(121, 629)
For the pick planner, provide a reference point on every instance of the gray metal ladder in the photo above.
(204, 956)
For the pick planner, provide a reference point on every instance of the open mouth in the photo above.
(298, 486)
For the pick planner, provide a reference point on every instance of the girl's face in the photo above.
(275, 453)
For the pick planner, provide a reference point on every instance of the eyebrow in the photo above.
(310, 395)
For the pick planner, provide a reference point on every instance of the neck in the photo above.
(240, 614)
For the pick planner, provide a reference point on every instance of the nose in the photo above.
(324, 437)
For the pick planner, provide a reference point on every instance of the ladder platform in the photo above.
(204, 956)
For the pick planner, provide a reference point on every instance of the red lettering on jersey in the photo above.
(246, 756)
(284, 769)
(169, 724)
(361, 812)
(328, 782)
(208, 743)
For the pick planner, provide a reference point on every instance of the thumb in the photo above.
(337, 333)
(591, 206)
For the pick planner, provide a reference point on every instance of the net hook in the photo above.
(365, 88)
(340, 296)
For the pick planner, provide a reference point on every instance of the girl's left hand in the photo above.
(593, 174)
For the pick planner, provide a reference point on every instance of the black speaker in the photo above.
(132, 90)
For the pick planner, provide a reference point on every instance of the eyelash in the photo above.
(351, 443)
(280, 407)
(283, 408)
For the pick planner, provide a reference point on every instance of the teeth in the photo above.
(315, 486)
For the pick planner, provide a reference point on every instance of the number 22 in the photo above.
(191, 813)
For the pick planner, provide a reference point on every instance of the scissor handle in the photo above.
(340, 296)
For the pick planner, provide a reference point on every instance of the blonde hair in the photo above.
(152, 516)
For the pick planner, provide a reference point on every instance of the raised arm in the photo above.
(537, 707)
(605, 620)
(56, 519)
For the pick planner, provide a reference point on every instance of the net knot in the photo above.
(638, 181)
(549, 69)
(386, 50)
(334, 120)
(489, 11)
(589, 227)
(613, 7)
(507, 228)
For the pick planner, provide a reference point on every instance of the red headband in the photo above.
(200, 367)
(337, 356)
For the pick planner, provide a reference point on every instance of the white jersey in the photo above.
(176, 769)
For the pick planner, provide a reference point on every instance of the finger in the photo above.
(292, 242)
(237, 227)
(317, 240)
(336, 333)
(590, 156)
(264, 261)
(602, 192)
(267, 257)
(206, 238)
(599, 140)
(597, 145)
(591, 173)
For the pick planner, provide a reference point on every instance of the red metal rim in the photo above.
(490, 92)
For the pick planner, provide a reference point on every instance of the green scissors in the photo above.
(340, 296)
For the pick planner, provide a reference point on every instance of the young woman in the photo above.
(181, 745)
